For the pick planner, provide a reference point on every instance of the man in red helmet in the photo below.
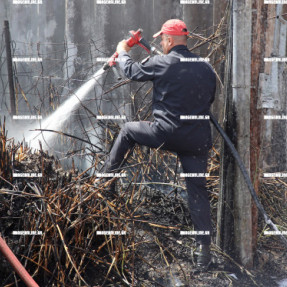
(183, 89)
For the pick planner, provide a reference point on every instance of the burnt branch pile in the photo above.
(76, 235)
(80, 237)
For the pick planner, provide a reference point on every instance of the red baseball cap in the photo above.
(173, 27)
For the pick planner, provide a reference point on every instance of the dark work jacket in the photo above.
(179, 88)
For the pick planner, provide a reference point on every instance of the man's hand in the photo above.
(123, 46)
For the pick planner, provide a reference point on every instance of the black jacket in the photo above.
(180, 88)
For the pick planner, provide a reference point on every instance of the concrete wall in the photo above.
(71, 24)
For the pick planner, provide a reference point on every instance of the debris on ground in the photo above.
(81, 237)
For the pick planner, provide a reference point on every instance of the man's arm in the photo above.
(134, 70)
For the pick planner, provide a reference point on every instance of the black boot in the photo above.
(203, 256)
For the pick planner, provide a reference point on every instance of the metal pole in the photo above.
(10, 68)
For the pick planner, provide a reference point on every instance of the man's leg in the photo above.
(143, 133)
(198, 200)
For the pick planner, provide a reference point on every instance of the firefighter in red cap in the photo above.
(183, 90)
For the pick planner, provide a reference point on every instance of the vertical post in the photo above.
(219, 10)
(225, 220)
(242, 22)
(256, 115)
(235, 225)
(9, 67)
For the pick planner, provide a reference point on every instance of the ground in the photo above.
(69, 210)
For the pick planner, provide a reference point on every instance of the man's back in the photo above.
(182, 87)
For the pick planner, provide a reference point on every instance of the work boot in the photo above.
(203, 256)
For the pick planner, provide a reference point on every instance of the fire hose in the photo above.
(137, 39)
(18, 267)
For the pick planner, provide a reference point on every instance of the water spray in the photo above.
(62, 114)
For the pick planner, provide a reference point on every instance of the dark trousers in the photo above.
(148, 134)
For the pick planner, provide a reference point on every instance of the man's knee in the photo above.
(126, 132)
(126, 127)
